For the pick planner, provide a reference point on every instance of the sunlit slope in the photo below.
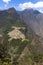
(16, 33)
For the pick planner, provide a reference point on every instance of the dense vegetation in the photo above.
(10, 51)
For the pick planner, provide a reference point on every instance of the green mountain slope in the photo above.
(19, 45)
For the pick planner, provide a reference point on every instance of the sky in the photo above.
(22, 4)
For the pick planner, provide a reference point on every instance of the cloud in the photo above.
(41, 10)
(26, 5)
(37, 5)
(6, 1)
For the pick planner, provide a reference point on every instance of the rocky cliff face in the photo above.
(34, 20)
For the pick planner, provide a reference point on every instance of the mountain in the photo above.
(7, 16)
(19, 43)
(33, 19)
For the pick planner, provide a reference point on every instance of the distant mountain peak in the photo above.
(30, 10)
(10, 10)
